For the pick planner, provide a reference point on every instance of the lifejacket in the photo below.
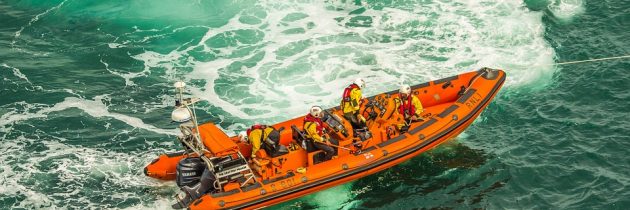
(346, 93)
(264, 137)
(407, 109)
(317, 121)
(257, 126)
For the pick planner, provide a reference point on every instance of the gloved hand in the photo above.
(361, 118)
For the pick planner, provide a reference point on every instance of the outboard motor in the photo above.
(189, 171)
(205, 184)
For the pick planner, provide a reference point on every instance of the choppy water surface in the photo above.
(86, 94)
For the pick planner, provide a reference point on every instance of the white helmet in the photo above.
(405, 89)
(359, 82)
(316, 111)
(242, 136)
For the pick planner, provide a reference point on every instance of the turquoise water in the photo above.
(86, 95)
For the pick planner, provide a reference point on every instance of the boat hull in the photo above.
(454, 102)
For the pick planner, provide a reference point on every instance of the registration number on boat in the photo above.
(473, 100)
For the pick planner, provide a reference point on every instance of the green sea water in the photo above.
(86, 95)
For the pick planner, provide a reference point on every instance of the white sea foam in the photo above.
(73, 167)
(115, 45)
(16, 72)
(426, 42)
(126, 76)
(331, 198)
(566, 10)
(17, 34)
(95, 108)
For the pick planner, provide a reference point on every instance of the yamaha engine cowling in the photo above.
(189, 171)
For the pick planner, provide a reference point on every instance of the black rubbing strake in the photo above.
(267, 181)
(388, 142)
(423, 126)
(365, 150)
(466, 96)
(251, 187)
(448, 111)
(221, 194)
(439, 81)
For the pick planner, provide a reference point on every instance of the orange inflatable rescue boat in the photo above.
(215, 171)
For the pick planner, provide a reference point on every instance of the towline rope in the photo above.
(590, 60)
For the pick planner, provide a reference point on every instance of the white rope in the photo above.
(592, 60)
